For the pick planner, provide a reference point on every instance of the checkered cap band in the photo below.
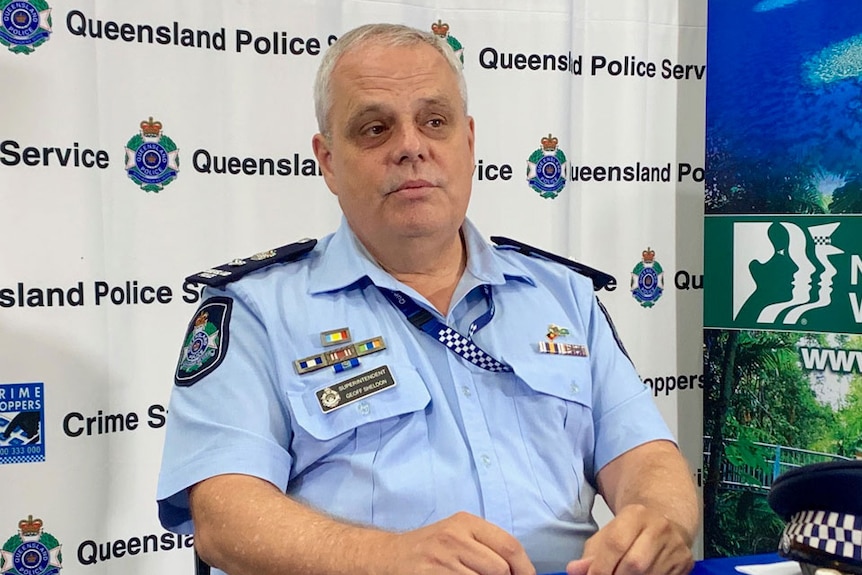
(470, 351)
(838, 534)
(822, 240)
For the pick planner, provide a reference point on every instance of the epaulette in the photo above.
(600, 279)
(233, 270)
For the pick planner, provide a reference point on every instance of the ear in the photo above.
(323, 152)
(471, 139)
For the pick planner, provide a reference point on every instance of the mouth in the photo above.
(413, 185)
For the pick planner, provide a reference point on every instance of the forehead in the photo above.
(380, 75)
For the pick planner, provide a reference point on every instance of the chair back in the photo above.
(201, 568)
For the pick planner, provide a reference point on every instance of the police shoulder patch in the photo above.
(599, 278)
(205, 343)
(222, 275)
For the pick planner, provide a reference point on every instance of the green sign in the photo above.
(785, 272)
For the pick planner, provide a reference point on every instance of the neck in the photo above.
(432, 269)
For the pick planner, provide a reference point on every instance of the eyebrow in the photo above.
(367, 109)
(358, 117)
(374, 108)
(436, 101)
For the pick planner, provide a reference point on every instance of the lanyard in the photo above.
(453, 340)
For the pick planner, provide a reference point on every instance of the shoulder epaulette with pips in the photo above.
(224, 274)
(600, 279)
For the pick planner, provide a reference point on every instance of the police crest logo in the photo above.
(32, 551)
(546, 169)
(647, 281)
(22, 419)
(206, 341)
(441, 29)
(24, 25)
(329, 398)
(152, 159)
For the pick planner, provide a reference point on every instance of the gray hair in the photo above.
(388, 35)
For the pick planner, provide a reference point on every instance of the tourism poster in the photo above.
(782, 264)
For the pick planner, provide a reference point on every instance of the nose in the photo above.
(409, 144)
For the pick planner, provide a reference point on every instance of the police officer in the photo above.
(401, 397)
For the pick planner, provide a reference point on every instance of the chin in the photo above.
(417, 228)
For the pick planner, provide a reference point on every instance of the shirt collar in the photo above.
(345, 261)
(485, 264)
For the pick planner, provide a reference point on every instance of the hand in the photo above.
(462, 543)
(638, 541)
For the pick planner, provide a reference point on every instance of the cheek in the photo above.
(461, 158)
(462, 169)
(358, 167)
(345, 174)
(356, 185)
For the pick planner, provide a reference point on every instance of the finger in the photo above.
(448, 547)
(657, 552)
(579, 566)
(641, 558)
(504, 546)
(607, 547)
(482, 560)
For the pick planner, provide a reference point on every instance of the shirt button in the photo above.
(466, 391)
(486, 460)
(364, 408)
(575, 388)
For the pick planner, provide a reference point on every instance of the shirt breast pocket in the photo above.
(554, 409)
(369, 458)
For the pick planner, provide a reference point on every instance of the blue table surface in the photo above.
(726, 565)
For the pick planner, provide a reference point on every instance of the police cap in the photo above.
(822, 505)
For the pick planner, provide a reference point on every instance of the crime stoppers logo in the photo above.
(546, 169)
(32, 551)
(22, 419)
(441, 29)
(24, 24)
(152, 159)
(647, 281)
(791, 272)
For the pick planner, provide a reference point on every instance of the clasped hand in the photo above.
(638, 541)
(462, 543)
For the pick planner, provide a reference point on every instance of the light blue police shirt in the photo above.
(520, 449)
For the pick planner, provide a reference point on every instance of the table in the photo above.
(726, 565)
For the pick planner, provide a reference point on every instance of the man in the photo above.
(454, 446)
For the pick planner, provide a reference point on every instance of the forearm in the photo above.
(656, 476)
(246, 526)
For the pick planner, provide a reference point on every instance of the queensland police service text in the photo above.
(631, 66)
(277, 42)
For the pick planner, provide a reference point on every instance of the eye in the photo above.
(436, 122)
(374, 130)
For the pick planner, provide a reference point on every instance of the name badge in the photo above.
(355, 388)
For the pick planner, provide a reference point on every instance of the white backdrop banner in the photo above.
(141, 142)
